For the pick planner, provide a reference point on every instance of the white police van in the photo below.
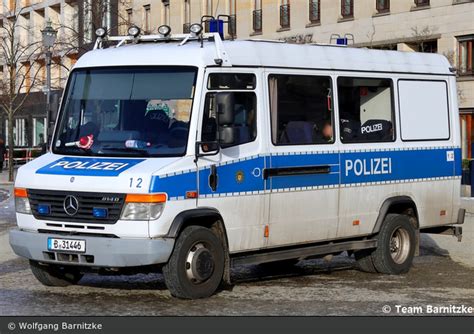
(190, 154)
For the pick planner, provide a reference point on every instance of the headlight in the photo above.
(143, 207)
(22, 204)
(134, 31)
(101, 32)
(164, 30)
(196, 29)
(141, 211)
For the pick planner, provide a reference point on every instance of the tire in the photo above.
(364, 261)
(196, 266)
(396, 243)
(53, 275)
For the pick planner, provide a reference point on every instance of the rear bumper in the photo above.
(454, 230)
(100, 251)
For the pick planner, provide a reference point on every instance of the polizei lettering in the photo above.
(372, 128)
(366, 167)
(89, 165)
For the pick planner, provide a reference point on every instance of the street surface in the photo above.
(315, 287)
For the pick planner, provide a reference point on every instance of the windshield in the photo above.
(126, 112)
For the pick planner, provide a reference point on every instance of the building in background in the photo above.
(442, 26)
(75, 21)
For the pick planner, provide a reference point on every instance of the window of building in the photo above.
(107, 14)
(19, 133)
(146, 16)
(166, 12)
(187, 16)
(421, 3)
(466, 55)
(434, 107)
(315, 11)
(233, 18)
(26, 71)
(244, 122)
(129, 16)
(257, 16)
(301, 109)
(383, 6)
(366, 110)
(347, 8)
(285, 14)
(39, 131)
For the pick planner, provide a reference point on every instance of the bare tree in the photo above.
(19, 78)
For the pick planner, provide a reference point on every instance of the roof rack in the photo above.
(222, 57)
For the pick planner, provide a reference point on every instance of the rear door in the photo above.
(304, 161)
(232, 181)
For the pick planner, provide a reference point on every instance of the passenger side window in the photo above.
(301, 109)
(366, 110)
(244, 123)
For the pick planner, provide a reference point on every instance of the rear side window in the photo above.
(301, 109)
(423, 100)
(366, 110)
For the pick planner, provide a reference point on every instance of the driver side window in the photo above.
(244, 120)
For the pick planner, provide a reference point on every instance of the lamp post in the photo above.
(49, 37)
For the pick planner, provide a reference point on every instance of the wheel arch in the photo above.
(207, 217)
(400, 205)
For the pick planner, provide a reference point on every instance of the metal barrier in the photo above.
(26, 155)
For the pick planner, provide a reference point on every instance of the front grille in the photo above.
(87, 202)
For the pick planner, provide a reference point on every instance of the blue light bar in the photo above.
(342, 41)
(43, 209)
(100, 213)
(217, 26)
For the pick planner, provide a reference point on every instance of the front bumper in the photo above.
(100, 251)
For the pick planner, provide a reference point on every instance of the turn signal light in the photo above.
(145, 198)
(21, 192)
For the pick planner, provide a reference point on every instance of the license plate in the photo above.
(69, 245)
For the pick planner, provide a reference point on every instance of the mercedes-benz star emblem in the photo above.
(71, 205)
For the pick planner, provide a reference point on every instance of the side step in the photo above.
(301, 252)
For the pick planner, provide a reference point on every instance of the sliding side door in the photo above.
(304, 159)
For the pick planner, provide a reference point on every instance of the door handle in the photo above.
(296, 171)
(213, 178)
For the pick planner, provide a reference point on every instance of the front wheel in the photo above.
(196, 266)
(54, 275)
(396, 243)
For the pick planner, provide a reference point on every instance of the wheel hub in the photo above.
(399, 245)
(199, 264)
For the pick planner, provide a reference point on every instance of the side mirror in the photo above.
(206, 149)
(225, 117)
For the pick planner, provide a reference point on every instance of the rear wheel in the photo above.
(54, 275)
(396, 243)
(196, 266)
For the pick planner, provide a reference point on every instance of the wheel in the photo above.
(396, 243)
(196, 266)
(54, 275)
(364, 260)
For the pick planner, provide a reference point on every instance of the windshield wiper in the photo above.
(127, 150)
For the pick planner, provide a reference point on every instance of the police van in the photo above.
(190, 154)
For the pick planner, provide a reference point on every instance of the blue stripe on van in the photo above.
(246, 176)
